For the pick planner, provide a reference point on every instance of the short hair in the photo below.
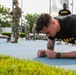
(43, 20)
(15, 2)
(64, 4)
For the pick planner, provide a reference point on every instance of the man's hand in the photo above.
(41, 53)
(48, 53)
(51, 54)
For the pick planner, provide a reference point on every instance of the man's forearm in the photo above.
(50, 44)
(69, 55)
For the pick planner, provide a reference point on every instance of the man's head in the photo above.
(64, 5)
(15, 2)
(46, 25)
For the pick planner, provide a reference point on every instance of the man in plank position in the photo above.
(61, 28)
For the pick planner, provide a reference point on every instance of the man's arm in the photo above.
(10, 13)
(69, 55)
(53, 54)
(50, 44)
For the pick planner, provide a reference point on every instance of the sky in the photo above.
(35, 6)
(29, 6)
(40, 6)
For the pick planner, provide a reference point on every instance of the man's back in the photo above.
(64, 12)
(67, 28)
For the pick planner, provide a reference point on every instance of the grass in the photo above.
(14, 66)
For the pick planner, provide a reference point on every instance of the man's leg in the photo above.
(34, 36)
(8, 39)
(16, 34)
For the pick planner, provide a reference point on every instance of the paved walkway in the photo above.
(28, 50)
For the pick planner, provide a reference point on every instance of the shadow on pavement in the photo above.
(57, 62)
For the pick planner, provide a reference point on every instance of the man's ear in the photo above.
(53, 21)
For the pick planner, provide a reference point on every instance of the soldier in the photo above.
(33, 31)
(27, 31)
(16, 14)
(64, 11)
(62, 28)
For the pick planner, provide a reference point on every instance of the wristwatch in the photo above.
(58, 55)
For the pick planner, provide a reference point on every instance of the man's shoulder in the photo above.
(59, 17)
(70, 16)
(61, 10)
(67, 10)
(18, 8)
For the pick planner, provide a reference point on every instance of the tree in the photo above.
(5, 20)
(31, 18)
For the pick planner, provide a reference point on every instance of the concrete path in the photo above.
(28, 50)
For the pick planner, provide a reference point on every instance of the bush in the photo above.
(31, 18)
(22, 35)
(14, 66)
(5, 20)
(7, 33)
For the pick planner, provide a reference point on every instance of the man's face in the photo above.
(51, 30)
(64, 6)
(15, 3)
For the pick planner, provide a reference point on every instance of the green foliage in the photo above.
(31, 18)
(3, 10)
(22, 35)
(9, 34)
(6, 33)
(5, 20)
(14, 66)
